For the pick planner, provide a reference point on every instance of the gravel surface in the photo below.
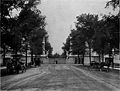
(61, 77)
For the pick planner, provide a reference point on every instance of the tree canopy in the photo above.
(101, 35)
(27, 27)
(113, 3)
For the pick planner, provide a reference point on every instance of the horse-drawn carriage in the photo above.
(101, 65)
(14, 65)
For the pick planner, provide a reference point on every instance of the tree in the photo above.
(78, 43)
(100, 44)
(19, 27)
(56, 55)
(10, 36)
(113, 3)
(116, 5)
(86, 23)
(48, 48)
(66, 46)
(106, 36)
(36, 40)
(10, 24)
(32, 25)
(63, 55)
(112, 24)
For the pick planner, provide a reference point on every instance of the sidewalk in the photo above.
(116, 68)
(28, 74)
(28, 71)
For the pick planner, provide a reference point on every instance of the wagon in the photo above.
(108, 62)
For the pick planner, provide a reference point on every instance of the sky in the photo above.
(61, 16)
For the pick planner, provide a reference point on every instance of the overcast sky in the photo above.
(61, 14)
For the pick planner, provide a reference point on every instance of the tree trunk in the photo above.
(16, 55)
(99, 58)
(110, 52)
(4, 55)
(78, 58)
(75, 60)
(83, 58)
(15, 51)
(90, 54)
(32, 57)
(102, 57)
(26, 55)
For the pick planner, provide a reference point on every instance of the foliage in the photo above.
(113, 3)
(64, 55)
(66, 46)
(11, 36)
(107, 35)
(101, 35)
(27, 27)
(49, 49)
(56, 55)
(36, 42)
(78, 42)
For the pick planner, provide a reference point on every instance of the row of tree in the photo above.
(22, 27)
(98, 35)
